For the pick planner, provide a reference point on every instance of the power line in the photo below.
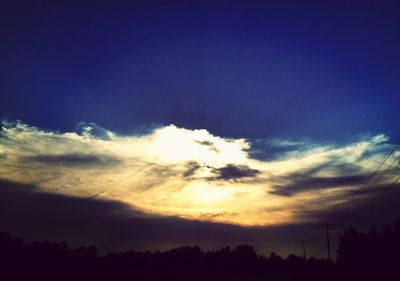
(356, 213)
(366, 187)
(381, 175)
(358, 193)
(380, 194)
(387, 188)
(373, 185)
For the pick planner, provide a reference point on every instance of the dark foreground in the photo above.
(361, 256)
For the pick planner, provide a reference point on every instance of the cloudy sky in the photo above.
(154, 124)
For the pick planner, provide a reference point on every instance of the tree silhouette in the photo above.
(373, 255)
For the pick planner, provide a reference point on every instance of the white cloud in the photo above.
(150, 172)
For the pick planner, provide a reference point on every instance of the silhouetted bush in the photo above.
(360, 256)
(371, 255)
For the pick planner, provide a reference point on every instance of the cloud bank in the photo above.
(192, 174)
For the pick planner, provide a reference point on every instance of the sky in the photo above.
(158, 124)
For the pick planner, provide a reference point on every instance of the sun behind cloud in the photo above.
(191, 174)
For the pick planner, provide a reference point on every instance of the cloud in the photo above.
(192, 167)
(300, 184)
(191, 174)
(114, 226)
(73, 160)
(210, 145)
(232, 172)
(272, 149)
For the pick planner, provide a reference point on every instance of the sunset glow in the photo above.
(186, 173)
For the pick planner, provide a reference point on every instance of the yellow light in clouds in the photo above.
(203, 193)
(178, 145)
(179, 172)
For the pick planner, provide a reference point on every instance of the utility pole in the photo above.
(303, 243)
(327, 225)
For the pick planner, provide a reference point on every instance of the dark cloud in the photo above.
(232, 172)
(333, 166)
(300, 183)
(72, 160)
(375, 207)
(210, 145)
(113, 226)
(371, 190)
(207, 143)
(263, 150)
(161, 171)
(192, 167)
(309, 180)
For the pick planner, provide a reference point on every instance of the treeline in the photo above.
(361, 256)
(372, 255)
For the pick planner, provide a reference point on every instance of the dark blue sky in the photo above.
(237, 68)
